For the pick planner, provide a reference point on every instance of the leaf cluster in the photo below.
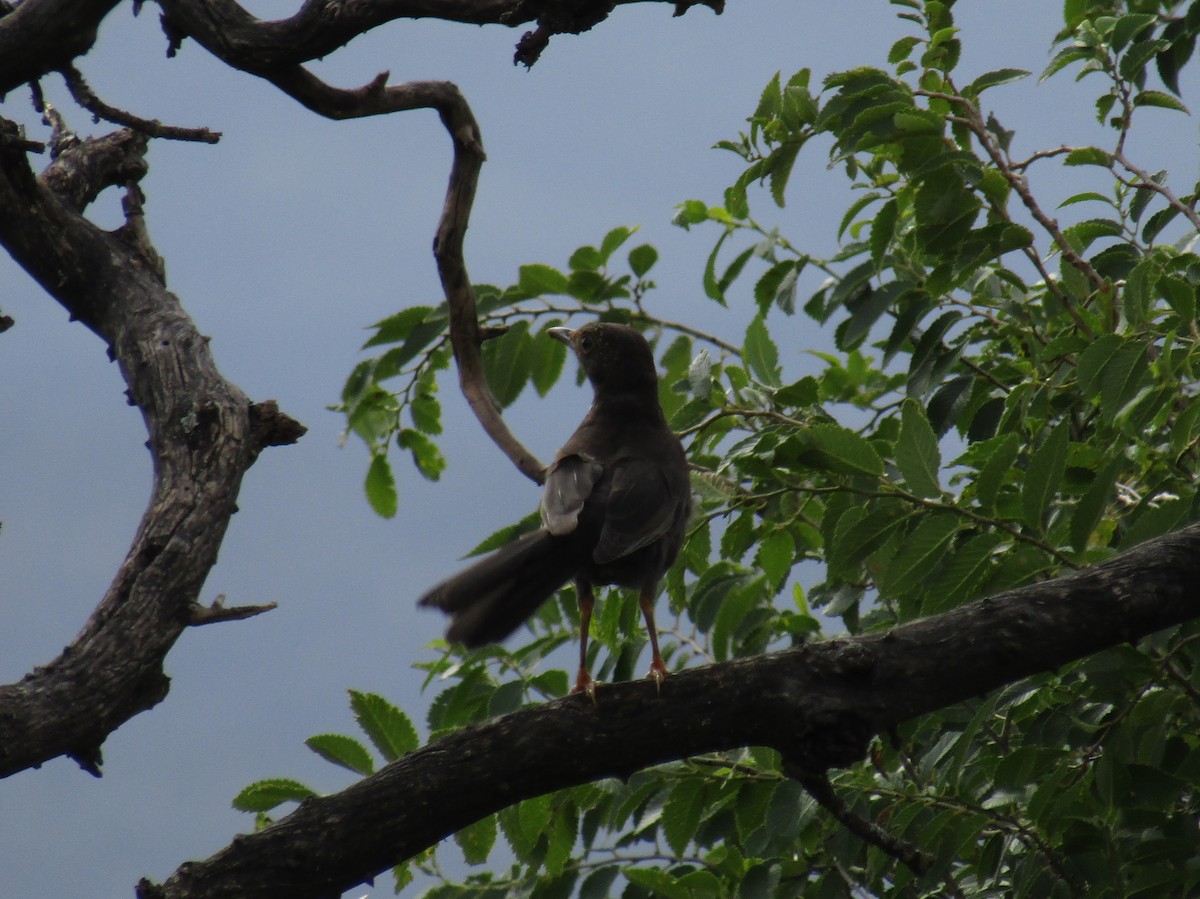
(1007, 394)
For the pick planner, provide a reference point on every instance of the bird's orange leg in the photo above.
(658, 668)
(587, 601)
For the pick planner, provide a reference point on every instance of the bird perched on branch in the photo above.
(615, 506)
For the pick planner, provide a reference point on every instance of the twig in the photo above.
(818, 786)
(201, 615)
(83, 94)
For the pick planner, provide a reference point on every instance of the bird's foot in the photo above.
(584, 684)
(657, 673)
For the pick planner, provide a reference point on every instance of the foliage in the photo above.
(1011, 396)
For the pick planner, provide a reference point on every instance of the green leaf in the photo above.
(761, 354)
(264, 795)
(658, 882)
(476, 840)
(962, 574)
(1091, 506)
(994, 79)
(777, 286)
(380, 487)
(506, 362)
(1124, 376)
(883, 229)
(923, 551)
(428, 458)
(681, 814)
(775, 555)
(1160, 99)
(1046, 467)
(342, 750)
(397, 327)
(642, 259)
(1088, 156)
(538, 279)
(917, 454)
(389, 729)
(585, 259)
(547, 357)
(842, 450)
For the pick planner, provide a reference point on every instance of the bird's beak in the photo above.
(562, 334)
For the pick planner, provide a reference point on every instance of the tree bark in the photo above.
(819, 705)
(204, 433)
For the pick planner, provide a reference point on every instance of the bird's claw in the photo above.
(658, 674)
(585, 685)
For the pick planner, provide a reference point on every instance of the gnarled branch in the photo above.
(204, 434)
(819, 705)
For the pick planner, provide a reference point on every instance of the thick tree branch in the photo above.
(204, 434)
(319, 27)
(819, 705)
(41, 36)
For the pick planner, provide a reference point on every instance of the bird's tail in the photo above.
(489, 600)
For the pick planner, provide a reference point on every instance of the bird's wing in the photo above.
(569, 483)
(640, 509)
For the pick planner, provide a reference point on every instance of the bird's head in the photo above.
(614, 357)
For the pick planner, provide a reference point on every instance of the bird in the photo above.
(615, 507)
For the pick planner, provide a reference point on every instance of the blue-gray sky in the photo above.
(284, 241)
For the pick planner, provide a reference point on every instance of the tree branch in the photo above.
(204, 434)
(320, 27)
(819, 705)
(41, 36)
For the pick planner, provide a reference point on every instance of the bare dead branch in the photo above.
(819, 705)
(83, 94)
(41, 36)
(218, 612)
(319, 27)
(202, 440)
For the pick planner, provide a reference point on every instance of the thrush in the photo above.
(614, 508)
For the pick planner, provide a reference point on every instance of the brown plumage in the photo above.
(614, 507)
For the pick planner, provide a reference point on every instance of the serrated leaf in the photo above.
(1088, 156)
(1159, 99)
(397, 327)
(992, 473)
(1046, 466)
(426, 456)
(508, 534)
(844, 451)
(658, 882)
(775, 555)
(1092, 504)
(538, 279)
(681, 814)
(963, 573)
(994, 79)
(613, 239)
(733, 611)
(917, 453)
(264, 795)
(777, 286)
(342, 750)
(388, 728)
(923, 550)
(858, 534)
(761, 354)
(476, 840)
(506, 363)
(1124, 375)
(380, 487)
(547, 357)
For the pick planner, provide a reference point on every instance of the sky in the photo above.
(284, 242)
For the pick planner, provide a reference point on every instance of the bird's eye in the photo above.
(585, 344)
